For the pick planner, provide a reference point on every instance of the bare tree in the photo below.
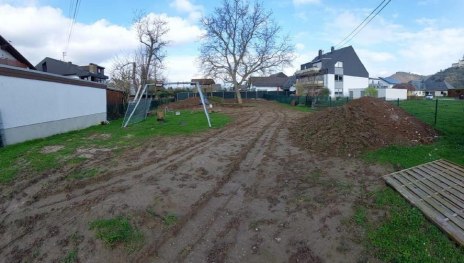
(123, 76)
(242, 39)
(151, 33)
(312, 90)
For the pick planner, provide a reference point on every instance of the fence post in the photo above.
(436, 111)
(330, 101)
(398, 104)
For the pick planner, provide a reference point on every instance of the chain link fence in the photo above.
(116, 111)
(434, 112)
(309, 101)
(232, 94)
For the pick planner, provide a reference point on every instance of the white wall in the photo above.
(4, 54)
(393, 94)
(31, 109)
(350, 82)
(329, 82)
(357, 93)
(25, 101)
(265, 88)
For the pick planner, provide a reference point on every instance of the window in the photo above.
(339, 64)
(339, 78)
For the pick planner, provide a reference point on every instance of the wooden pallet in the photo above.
(437, 189)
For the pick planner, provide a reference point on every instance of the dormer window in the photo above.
(339, 64)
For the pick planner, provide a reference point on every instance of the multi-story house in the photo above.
(339, 70)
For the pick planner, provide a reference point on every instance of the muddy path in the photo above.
(244, 193)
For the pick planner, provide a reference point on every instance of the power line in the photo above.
(73, 21)
(363, 24)
(347, 36)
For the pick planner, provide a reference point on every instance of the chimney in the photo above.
(320, 53)
(332, 49)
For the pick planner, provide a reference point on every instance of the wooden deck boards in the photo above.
(437, 189)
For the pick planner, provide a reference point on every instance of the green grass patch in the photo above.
(450, 145)
(170, 220)
(33, 157)
(71, 257)
(404, 234)
(84, 173)
(360, 215)
(116, 231)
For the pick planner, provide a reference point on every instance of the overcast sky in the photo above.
(420, 36)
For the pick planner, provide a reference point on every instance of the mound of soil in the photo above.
(189, 103)
(194, 102)
(361, 125)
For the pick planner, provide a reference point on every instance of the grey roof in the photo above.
(267, 81)
(418, 84)
(290, 82)
(352, 65)
(280, 75)
(5, 45)
(66, 68)
(432, 84)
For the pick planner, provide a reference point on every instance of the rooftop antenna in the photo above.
(64, 55)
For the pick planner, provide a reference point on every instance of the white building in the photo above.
(459, 64)
(339, 70)
(387, 94)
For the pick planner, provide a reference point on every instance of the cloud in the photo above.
(375, 56)
(386, 47)
(181, 68)
(185, 6)
(98, 42)
(299, 46)
(426, 22)
(304, 2)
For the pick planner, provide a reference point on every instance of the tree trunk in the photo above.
(237, 92)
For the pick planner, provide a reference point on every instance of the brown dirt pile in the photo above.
(361, 125)
(193, 102)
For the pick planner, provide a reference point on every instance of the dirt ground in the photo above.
(243, 193)
(362, 125)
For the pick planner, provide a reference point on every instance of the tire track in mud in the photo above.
(68, 202)
(218, 249)
(24, 184)
(178, 156)
(202, 220)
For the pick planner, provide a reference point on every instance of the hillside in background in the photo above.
(405, 77)
(454, 76)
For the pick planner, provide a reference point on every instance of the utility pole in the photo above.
(133, 76)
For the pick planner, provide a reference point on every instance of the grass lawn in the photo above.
(117, 230)
(404, 234)
(28, 157)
